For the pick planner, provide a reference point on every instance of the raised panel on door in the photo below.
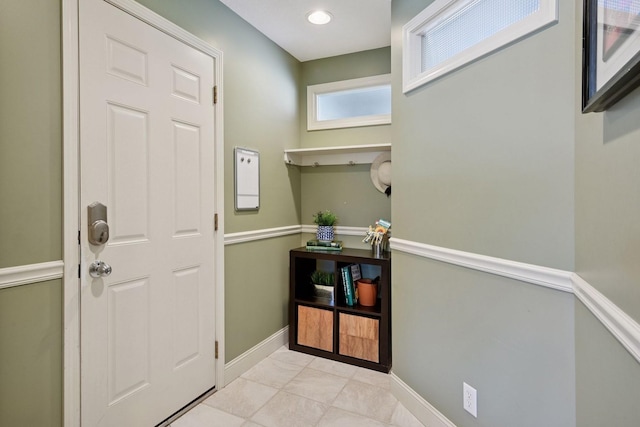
(127, 143)
(186, 316)
(128, 348)
(187, 179)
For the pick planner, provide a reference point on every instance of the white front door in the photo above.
(147, 154)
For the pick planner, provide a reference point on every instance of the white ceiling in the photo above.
(357, 25)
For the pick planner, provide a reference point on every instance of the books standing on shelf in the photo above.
(350, 273)
(355, 272)
(348, 293)
(321, 245)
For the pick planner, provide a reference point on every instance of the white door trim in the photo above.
(71, 221)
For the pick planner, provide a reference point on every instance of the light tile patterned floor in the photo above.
(291, 389)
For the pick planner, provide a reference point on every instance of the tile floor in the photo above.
(291, 389)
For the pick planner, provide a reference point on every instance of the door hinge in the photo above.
(78, 237)
(215, 222)
(216, 351)
(215, 94)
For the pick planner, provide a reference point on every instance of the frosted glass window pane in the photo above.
(470, 25)
(346, 104)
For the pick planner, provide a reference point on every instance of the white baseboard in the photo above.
(425, 412)
(254, 355)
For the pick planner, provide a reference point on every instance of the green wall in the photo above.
(511, 341)
(607, 376)
(345, 190)
(496, 159)
(30, 132)
(344, 67)
(608, 202)
(30, 210)
(487, 151)
(487, 155)
(31, 355)
(607, 248)
(260, 273)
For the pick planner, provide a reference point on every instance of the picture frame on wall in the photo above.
(611, 52)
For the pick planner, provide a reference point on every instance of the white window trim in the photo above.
(314, 90)
(413, 77)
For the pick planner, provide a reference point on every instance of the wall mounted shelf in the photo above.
(325, 156)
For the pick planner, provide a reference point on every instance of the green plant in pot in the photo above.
(323, 284)
(325, 220)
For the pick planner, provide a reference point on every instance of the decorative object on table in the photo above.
(381, 172)
(611, 62)
(325, 220)
(323, 285)
(367, 292)
(378, 236)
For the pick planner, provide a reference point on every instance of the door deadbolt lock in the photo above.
(98, 227)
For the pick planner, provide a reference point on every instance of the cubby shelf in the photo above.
(359, 335)
(344, 155)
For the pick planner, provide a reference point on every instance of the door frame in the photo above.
(71, 192)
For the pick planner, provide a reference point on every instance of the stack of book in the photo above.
(350, 274)
(321, 245)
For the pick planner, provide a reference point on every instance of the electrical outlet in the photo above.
(470, 399)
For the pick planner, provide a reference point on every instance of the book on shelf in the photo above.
(347, 286)
(355, 276)
(325, 243)
(344, 286)
(321, 245)
(323, 249)
(355, 272)
(351, 273)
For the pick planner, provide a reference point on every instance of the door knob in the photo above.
(99, 268)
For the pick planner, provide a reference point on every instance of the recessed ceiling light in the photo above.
(319, 17)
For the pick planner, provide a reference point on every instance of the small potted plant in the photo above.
(323, 284)
(325, 220)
